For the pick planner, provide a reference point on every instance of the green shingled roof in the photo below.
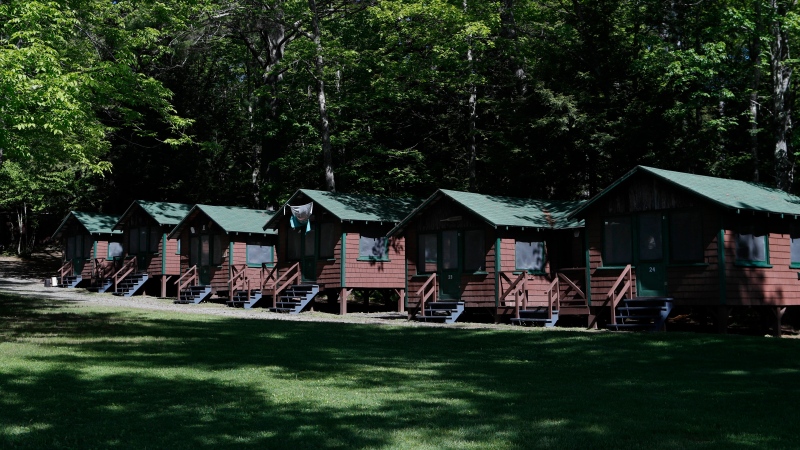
(500, 211)
(94, 223)
(354, 207)
(163, 213)
(232, 219)
(726, 193)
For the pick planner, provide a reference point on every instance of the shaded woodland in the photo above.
(241, 102)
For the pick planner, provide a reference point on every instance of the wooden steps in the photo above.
(536, 316)
(642, 313)
(194, 294)
(240, 298)
(71, 281)
(295, 298)
(441, 312)
(131, 284)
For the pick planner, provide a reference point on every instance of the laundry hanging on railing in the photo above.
(301, 215)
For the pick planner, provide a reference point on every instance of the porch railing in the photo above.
(553, 293)
(101, 269)
(187, 279)
(429, 289)
(518, 287)
(623, 285)
(238, 278)
(127, 268)
(285, 280)
(65, 270)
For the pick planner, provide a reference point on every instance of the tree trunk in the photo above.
(781, 83)
(472, 148)
(755, 81)
(324, 125)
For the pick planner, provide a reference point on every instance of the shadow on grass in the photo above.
(92, 378)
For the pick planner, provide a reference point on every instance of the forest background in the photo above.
(241, 102)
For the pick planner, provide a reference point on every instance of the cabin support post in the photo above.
(777, 315)
(366, 299)
(401, 296)
(721, 314)
(343, 294)
(164, 279)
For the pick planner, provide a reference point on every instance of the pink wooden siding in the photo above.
(374, 274)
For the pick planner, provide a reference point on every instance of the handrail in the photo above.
(101, 269)
(570, 283)
(126, 269)
(423, 296)
(65, 270)
(291, 275)
(522, 277)
(238, 278)
(268, 276)
(519, 287)
(614, 296)
(189, 277)
(553, 297)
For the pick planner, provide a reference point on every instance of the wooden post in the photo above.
(366, 299)
(343, 294)
(401, 304)
(164, 279)
(777, 314)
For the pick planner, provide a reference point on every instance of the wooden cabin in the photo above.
(509, 256)
(222, 248)
(343, 245)
(691, 241)
(91, 248)
(149, 255)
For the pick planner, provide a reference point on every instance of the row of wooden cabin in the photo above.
(652, 240)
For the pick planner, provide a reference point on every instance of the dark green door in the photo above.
(204, 268)
(449, 266)
(651, 275)
(309, 259)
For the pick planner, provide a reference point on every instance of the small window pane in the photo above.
(194, 248)
(428, 254)
(474, 250)
(530, 255)
(178, 247)
(258, 254)
(327, 240)
(686, 237)
(294, 239)
(372, 247)
(617, 242)
(114, 250)
(449, 250)
(205, 248)
(142, 240)
(795, 244)
(216, 255)
(309, 243)
(751, 247)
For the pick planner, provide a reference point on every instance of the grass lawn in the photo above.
(73, 376)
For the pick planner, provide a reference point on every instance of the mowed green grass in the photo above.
(73, 376)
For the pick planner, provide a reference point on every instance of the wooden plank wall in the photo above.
(698, 285)
(373, 274)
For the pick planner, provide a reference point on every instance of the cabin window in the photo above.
(308, 249)
(155, 239)
(327, 240)
(529, 256)
(194, 247)
(133, 241)
(373, 247)
(178, 247)
(617, 249)
(143, 240)
(293, 245)
(205, 250)
(795, 246)
(686, 237)
(258, 254)
(71, 247)
(751, 247)
(216, 254)
(114, 250)
(474, 251)
(428, 254)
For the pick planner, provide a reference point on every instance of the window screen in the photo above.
(374, 247)
(71, 247)
(795, 244)
(133, 241)
(205, 249)
(751, 245)
(114, 250)
(686, 237)
(308, 248)
(293, 245)
(449, 249)
(529, 255)
(428, 253)
(216, 254)
(194, 249)
(474, 251)
(258, 254)
(143, 232)
(617, 241)
(327, 240)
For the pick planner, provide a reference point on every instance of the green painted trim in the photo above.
(689, 265)
(794, 265)
(762, 264)
(633, 266)
(94, 250)
(230, 261)
(587, 262)
(342, 264)
(371, 258)
(530, 272)
(477, 272)
(721, 265)
(405, 292)
(163, 253)
(421, 276)
(497, 272)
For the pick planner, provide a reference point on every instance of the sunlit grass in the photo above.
(73, 376)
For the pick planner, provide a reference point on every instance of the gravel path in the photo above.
(25, 278)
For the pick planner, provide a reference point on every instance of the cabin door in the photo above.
(79, 249)
(204, 268)
(308, 264)
(651, 275)
(449, 266)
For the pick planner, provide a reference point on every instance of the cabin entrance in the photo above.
(449, 265)
(200, 256)
(308, 265)
(651, 275)
(79, 249)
